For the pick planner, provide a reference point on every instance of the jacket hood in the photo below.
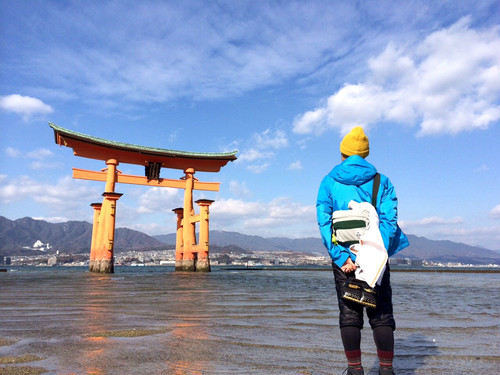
(353, 171)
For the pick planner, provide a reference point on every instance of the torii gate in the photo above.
(189, 256)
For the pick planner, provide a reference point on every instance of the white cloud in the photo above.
(52, 219)
(495, 212)
(295, 166)
(482, 168)
(159, 200)
(259, 152)
(62, 197)
(432, 221)
(456, 229)
(39, 165)
(254, 154)
(239, 189)
(149, 228)
(228, 210)
(25, 106)
(449, 83)
(285, 208)
(483, 236)
(12, 152)
(267, 139)
(199, 50)
(258, 168)
(39, 154)
(280, 217)
(311, 121)
(261, 142)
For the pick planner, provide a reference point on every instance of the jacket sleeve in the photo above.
(388, 214)
(324, 210)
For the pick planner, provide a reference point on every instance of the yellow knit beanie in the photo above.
(355, 143)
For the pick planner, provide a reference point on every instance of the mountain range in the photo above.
(17, 237)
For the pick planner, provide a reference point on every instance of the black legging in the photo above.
(383, 336)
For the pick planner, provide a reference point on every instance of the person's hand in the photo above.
(348, 266)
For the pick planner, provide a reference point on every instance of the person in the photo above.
(352, 179)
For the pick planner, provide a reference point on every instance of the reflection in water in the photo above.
(96, 309)
(188, 358)
(96, 301)
(182, 302)
(91, 358)
(188, 340)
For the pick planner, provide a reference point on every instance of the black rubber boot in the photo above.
(386, 371)
(353, 371)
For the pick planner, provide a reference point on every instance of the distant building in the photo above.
(2, 259)
(416, 263)
(39, 245)
(406, 262)
(396, 261)
(8, 261)
(52, 261)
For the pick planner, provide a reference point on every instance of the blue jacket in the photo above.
(353, 180)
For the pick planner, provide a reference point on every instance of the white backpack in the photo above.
(348, 226)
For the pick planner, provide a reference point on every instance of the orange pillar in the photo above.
(203, 261)
(95, 225)
(178, 239)
(108, 239)
(111, 176)
(105, 234)
(189, 225)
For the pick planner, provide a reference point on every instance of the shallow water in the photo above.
(150, 320)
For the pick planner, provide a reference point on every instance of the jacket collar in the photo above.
(353, 171)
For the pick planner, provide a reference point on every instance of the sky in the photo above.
(281, 82)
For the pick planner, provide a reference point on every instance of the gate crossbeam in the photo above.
(84, 174)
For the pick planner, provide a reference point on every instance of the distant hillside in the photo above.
(70, 237)
(256, 243)
(447, 251)
(420, 247)
(75, 237)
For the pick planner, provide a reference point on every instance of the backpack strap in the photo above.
(376, 185)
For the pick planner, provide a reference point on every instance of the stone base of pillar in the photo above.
(185, 265)
(193, 265)
(202, 265)
(178, 265)
(101, 266)
(107, 266)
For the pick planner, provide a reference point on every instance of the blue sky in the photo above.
(281, 82)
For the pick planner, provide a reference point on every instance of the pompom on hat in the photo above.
(355, 143)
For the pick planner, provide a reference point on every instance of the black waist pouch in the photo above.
(360, 292)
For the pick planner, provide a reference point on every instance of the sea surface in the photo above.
(151, 320)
